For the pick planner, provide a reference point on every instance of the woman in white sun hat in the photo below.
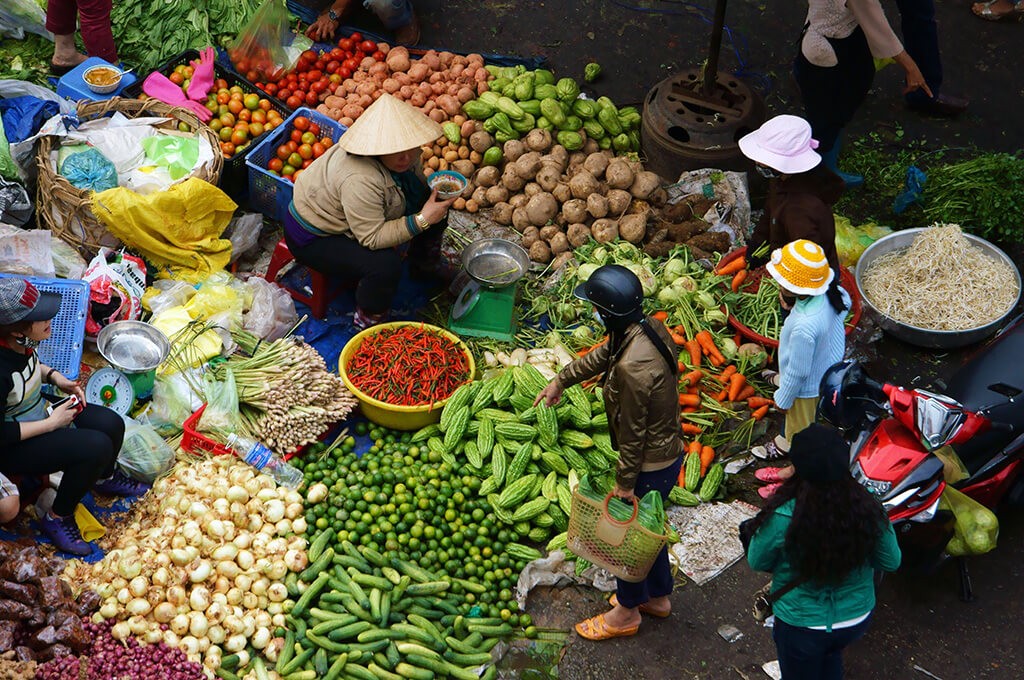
(812, 339)
(365, 197)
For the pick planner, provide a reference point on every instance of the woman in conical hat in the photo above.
(365, 197)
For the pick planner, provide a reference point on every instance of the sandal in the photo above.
(767, 491)
(598, 628)
(769, 451)
(644, 608)
(770, 475)
(984, 11)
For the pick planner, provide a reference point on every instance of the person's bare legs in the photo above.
(64, 51)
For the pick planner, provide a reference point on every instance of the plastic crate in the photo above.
(193, 442)
(233, 179)
(268, 193)
(63, 349)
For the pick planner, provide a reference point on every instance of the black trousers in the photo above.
(377, 271)
(921, 40)
(831, 95)
(806, 654)
(85, 453)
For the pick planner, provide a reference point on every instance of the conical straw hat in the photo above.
(389, 126)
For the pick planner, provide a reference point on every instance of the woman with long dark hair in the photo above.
(821, 535)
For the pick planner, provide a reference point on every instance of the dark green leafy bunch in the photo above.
(984, 195)
(27, 59)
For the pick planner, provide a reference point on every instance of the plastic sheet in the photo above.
(26, 252)
(244, 233)
(221, 411)
(89, 170)
(177, 154)
(267, 43)
(852, 241)
(20, 16)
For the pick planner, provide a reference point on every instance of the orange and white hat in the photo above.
(801, 268)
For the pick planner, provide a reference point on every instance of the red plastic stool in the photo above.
(323, 293)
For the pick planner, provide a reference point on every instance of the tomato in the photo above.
(335, 79)
(270, 89)
(333, 66)
(296, 136)
(356, 38)
(351, 64)
(177, 78)
(275, 164)
(301, 123)
(288, 170)
(242, 65)
(345, 44)
(225, 133)
(259, 116)
(265, 105)
(318, 150)
(293, 102)
(227, 119)
(239, 137)
(306, 163)
(215, 125)
(292, 146)
(252, 75)
(345, 72)
(379, 56)
(319, 86)
(235, 106)
(337, 54)
(296, 175)
(256, 129)
(245, 115)
(368, 46)
(228, 148)
(283, 152)
(319, 65)
(327, 142)
(315, 75)
(284, 93)
(294, 159)
(315, 129)
(312, 99)
(309, 55)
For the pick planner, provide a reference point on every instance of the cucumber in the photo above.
(347, 632)
(325, 627)
(382, 674)
(351, 670)
(334, 672)
(428, 588)
(319, 544)
(413, 672)
(311, 592)
(314, 569)
(297, 662)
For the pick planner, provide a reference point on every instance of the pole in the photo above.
(711, 66)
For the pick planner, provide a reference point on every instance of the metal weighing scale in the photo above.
(485, 307)
(133, 349)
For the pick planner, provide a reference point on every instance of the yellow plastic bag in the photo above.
(852, 241)
(178, 228)
(193, 353)
(976, 529)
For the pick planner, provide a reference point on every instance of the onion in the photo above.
(176, 595)
(234, 596)
(250, 600)
(215, 528)
(138, 607)
(199, 571)
(190, 645)
(261, 638)
(242, 541)
(216, 634)
(227, 570)
(243, 582)
(171, 638)
(237, 494)
(296, 560)
(284, 526)
(222, 507)
(228, 551)
(197, 624)
(274, 511)
(138, 625)
(179, 624)
(160, 577)
(233, 624)
(235, 643)
(259, 586)
(120, 631)
(199, 599)
(277, 592)
(164, 612)
(124, 596)
(245, 559)
(153, 636)
(109, 609)
(138, 586)
(223, 583)
(219, 598)
(299, 525)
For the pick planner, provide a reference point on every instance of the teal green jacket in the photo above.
(809, 605)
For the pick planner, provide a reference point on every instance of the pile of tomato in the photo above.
(305, 143)
(316, 74)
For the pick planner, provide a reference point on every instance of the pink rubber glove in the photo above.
(159, 86)
(202, 76)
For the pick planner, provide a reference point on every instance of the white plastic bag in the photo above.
(18, 16)
(244, 233)
(144, 455)
(173, 402)
(173, 293)
(25, 251)
(272, 312)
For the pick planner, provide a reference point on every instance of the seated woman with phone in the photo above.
(36, 436)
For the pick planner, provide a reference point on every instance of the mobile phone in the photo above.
(72, 399)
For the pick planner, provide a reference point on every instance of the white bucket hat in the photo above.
(784, 144)
(389, 125)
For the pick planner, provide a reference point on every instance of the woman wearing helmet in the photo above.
(639, 384)
(812, 340)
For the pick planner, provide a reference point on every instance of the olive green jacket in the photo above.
(353, 196)
(641, 397)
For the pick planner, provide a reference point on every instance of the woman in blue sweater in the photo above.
(821, 535)
(812, 339)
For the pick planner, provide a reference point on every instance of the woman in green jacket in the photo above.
(827, 534)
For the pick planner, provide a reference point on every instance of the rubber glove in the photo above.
(159, 86)
(202, 75)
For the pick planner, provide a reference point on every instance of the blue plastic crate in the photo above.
(63, 349)
(268, 193)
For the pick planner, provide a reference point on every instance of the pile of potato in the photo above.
(558, 200)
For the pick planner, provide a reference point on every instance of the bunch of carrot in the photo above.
(736, 268)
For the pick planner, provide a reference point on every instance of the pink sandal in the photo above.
(767, 491)
(769, 475)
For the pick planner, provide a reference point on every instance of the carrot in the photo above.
(746, 393)
(693, 390)
(737, 381)
(689, 428)
(758, 402)
(678, 339)
(707, 343)
(694, 447)
(693, 378)
(707, 455)
(760, 413)
(681, 480)
(732, 267)
(722, 395)
(682, 367)
(693, 347)
(689, 409)
(738, 279)
(689, 400)
(661, 316)
(588, 350)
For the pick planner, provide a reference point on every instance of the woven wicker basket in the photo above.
(67, 210)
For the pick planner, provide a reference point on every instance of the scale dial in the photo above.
(467, 300)
(111, 388)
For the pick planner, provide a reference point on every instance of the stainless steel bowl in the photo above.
(133, 346)
(925, 337)
(495, 262)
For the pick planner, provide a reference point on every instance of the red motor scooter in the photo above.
(894, 433)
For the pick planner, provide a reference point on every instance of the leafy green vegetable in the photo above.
(983, 195)
(27, 59)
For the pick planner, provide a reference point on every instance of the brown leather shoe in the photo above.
(944, 106)
(409, 35)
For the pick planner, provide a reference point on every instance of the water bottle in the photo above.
(263, 459)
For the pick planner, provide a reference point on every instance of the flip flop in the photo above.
(61, 69)
(644, 608)
(769, 451)
(598, 628)
(983, 10)
(769, 475)
(767, 491)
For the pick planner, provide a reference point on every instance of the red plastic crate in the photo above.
(193, 442)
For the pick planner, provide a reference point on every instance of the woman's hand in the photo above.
(322, 29)
(68, 386)
(551, 394)
(914, 77)
(624, 494)
(434, 210)
(62, 416)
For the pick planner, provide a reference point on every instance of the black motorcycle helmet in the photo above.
(615, 292)
(848, 396)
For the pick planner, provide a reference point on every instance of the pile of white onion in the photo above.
(202, 564)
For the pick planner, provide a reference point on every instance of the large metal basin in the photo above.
(924, 337)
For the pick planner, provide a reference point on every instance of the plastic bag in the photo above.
(976, 529)
(117, 281)
(25, 252)
(89, 170)
(167, 293)
(244, 233)
(15, 206)
(67, 262)
(266, 45)
(172, 403)
(651, 513)
(272, 313)
(178, 154)
(24, 115)
(221, 412)
(219, 293)
(144, 454)
(8, 168)
(18, 16)
(851, 241)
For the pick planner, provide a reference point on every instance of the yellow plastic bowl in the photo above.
(391, 415)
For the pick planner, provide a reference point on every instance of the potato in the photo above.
(467, 193)
(561, 260)
(530, 235)
(575, 210)
(532, 189)
(480, 196)
(605, 230)
(638, 207)
(520, 219)
(541, 208)
(496, 194)
(540, 252)
(481, 141)
(583, 184)
(519, 200)
(561, 221)
(548, 232)
(472, 206)
(464, 167)
(577, 158)
(578, 234)
(633, 227)
(560, 153)
(559, 243)
(547, 178)
(618, 201)
(644, 184)
(538, 140)
(502, 214)
(619, 175)
(511, 179)
(488, 176)
(659, 198)
(553, 161)
(591, 146)
(513, 149)
(561, 192)
(596, 164)
(528, 165)
(597, 205)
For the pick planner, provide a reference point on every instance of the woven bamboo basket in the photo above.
(67, 210)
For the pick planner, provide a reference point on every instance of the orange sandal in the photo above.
(597, 628)
(644, 608)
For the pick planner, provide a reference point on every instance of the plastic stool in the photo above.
(322, 291)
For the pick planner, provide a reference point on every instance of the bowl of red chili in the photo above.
(403, 373)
